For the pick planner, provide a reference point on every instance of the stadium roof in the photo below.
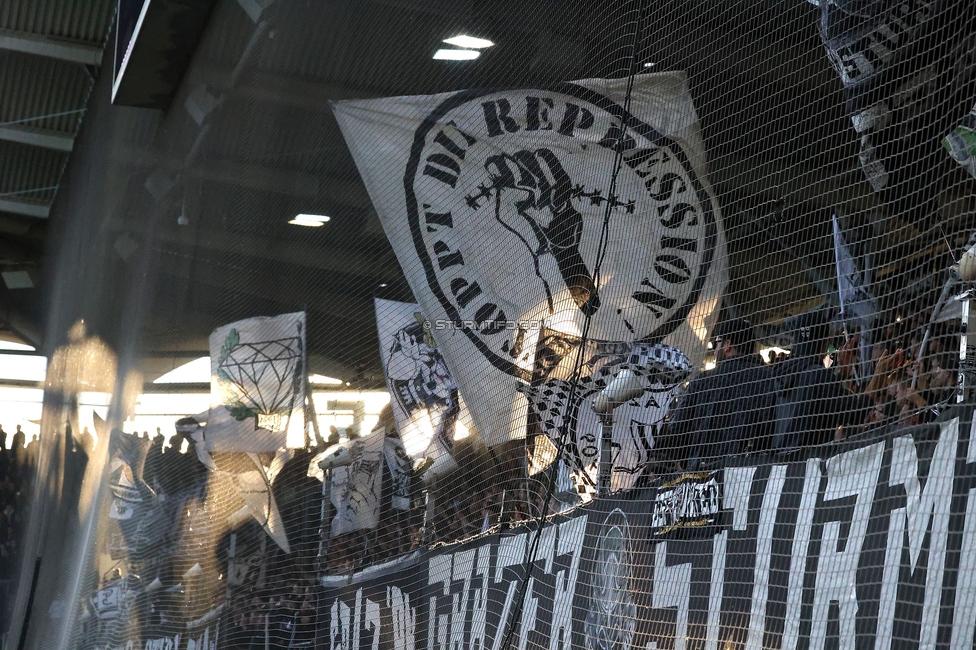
(209, 182)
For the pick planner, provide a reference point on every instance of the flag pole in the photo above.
(838, 238)
(939, 305)
(840, 293)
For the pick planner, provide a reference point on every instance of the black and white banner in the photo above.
(560, 410)
(868, 544)
(357, 485)
(257, 385)
(400, 470)
(424, 397)
(495, 203)
(857, 304)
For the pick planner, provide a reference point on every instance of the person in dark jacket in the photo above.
(729, 409)
(820, 399)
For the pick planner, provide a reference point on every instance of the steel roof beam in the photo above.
(55, 49)
(37, 138)
(37, 210)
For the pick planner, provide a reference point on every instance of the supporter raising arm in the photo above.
(824, 401)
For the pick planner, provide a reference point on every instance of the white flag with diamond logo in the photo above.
(257, 385)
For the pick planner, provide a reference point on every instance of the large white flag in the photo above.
(424, 397)
(495, 202)
(257, 385)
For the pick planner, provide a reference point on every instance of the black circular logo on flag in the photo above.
(507, 195)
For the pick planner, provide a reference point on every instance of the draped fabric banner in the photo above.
(555, 407)
(251, 479)
(357, 485)
(257, 385)
(495, 203)
(140, 518)
(866, 544)
(423, 395)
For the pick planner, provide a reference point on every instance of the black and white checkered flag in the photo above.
(660, 367)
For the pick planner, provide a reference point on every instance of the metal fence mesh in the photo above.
(744, 225)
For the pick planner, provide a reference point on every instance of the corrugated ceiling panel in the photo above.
(28, 173)
(77, 20)
(34, 86)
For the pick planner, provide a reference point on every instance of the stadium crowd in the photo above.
(17, 458)
(823, 392)
(818, 393)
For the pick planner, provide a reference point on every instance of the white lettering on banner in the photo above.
(463, 568)
(963, 622)
(738, 487)
(439, 571)
(716, 588)
(798, 560)
(764, 548)
(889, 579)
(854, 473)
(404, 619)
(339, 626)
(963, 625)
(346, 623)
(479, 600)
(530, 606)
(373, 622)
(920, 510)
(511, 552)
(570, 542)
(672, 588)
(465, 625)
(357, 617)
(474, 592)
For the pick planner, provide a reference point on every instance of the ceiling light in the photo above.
(17, 280)
(469, 42)
(310, 220)
(456, 55)
(322, 379)
(648, 65)
(382, 285)
(191, 372)
(19, 347)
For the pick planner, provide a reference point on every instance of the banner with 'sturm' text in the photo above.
(869, 543)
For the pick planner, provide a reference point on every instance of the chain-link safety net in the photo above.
(454, 325)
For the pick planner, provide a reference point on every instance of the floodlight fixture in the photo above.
(468, 42)
(456, 55)
(309, 220)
